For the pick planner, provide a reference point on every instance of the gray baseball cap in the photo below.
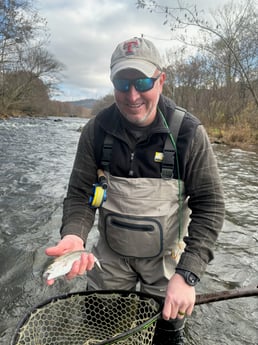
(135, 53)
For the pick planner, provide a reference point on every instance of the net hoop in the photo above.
(121, 338)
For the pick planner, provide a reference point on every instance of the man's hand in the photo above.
(180, 299)
(69, 244)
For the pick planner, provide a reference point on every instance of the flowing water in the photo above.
(36, 157)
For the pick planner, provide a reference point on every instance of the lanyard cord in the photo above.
(180, 199)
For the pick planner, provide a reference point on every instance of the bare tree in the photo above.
(234, 30)
(18, 25)
(25, 93)
(23, 38)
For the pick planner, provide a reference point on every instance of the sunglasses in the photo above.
(140, 84)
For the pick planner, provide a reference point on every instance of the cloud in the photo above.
(84, 34)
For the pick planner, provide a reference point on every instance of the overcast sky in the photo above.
(84, 34)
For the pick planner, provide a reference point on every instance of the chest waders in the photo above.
(140, 217)
(145, 217)
(142, 223)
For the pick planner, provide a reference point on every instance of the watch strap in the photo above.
(189, 277)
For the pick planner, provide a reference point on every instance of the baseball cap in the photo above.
(135, 53)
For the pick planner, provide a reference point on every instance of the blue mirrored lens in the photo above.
(122, 84)
(144, 84)
(141, 84)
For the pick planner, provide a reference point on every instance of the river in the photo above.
(36, 158)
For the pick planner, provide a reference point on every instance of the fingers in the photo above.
(167, 309)
(79, 267)
(185, 311)
(179, 306)
(173, 311)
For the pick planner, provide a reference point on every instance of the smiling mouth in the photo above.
(134, 106)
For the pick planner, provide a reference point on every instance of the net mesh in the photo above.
(87, 319)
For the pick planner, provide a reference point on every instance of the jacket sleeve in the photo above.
(206, 201)
(78, 217)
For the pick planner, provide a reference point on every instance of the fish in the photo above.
(63, 264)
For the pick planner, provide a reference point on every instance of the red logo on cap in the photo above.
(129, 46)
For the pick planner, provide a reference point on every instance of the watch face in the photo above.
(189, 277)
(192, 279)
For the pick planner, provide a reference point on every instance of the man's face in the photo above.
(137, 107)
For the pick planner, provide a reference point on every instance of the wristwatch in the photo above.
(189, 277)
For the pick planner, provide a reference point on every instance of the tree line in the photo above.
(219, 79)
(29, 73)
(213, 74)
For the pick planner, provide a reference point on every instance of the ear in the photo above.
(161, 80)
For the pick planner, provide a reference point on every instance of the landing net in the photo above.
(91, 318)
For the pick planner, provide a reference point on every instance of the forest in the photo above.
(213, 74)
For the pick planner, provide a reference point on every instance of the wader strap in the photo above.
(107, 152)
(169, 152)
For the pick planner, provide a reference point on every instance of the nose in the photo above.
(132, 93)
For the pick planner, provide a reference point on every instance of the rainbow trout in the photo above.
(63, 264)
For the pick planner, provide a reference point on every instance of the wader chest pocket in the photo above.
(137, 237)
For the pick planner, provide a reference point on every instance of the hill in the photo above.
(85, 103)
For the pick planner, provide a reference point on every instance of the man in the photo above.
(164, 206)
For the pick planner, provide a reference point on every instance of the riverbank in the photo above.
(242, 137)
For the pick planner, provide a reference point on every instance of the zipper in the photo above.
(130, 226)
